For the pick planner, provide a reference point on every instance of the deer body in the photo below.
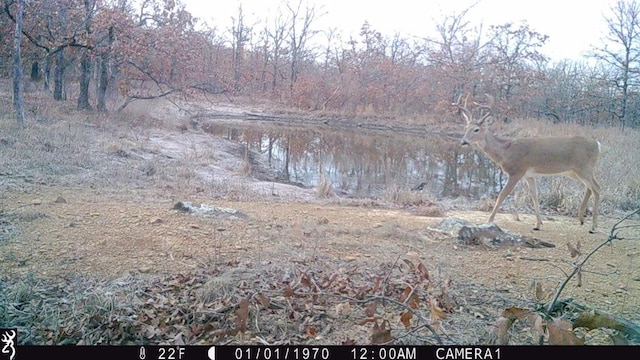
(573, 156)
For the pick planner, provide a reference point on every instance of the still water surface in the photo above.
(366, 163)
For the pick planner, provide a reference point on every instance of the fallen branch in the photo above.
(592, 319)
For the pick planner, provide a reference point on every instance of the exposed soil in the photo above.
(54, 232)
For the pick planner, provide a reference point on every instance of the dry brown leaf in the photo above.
(288, 291)
(414, 301)
(515, 313)
(501, 330)
(381, 334)
(312, 332)
(306, 281)
(242, 315)
(537, 328)
(412, 267)
(376, 287)
(423, 270)
(560, 333)
(197, 329)
(264, 301)
(592, 320)
(436, 312)
(370, 310)
(405, 293)
(405, 319)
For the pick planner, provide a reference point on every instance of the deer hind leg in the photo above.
(583, 205)
(533, 192)
(506, 190)
(592, 188)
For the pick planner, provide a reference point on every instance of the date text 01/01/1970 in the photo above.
(319, 352)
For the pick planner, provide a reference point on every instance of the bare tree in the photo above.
(18, 102)
(240, 37)
(621, 51)
(514, 55)
(299, 33)
(277, 36)
(457, 51)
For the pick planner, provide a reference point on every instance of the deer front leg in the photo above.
(506, 190)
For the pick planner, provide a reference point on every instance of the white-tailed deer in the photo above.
(573, 156)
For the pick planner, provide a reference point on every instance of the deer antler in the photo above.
(463, 108)
(488, 106)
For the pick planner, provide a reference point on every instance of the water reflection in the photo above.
(362, 163)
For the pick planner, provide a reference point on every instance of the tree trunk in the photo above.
(85, 78)
(47, 74)
(35, 71)
(58, 77)
(18, 102)
(85, 62)
(103, 82)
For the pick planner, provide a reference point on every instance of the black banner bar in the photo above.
(294, 352)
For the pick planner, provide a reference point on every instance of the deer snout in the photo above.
(464, 142)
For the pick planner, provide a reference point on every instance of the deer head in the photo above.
(475, 130)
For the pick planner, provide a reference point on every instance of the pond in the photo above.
(366, 163)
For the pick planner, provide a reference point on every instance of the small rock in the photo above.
(36, 202)
(155, 220)
(60, 200)
(194, 226)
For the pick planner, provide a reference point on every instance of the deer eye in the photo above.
(476, 130)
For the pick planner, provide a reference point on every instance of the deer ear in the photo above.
(486, 121)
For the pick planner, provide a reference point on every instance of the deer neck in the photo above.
(495, 147)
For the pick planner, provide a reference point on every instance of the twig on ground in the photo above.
(613, 235)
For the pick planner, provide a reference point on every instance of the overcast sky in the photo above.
(573, 26)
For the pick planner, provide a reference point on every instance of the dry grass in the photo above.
(400, 196)
(324, 189)
(245, 165)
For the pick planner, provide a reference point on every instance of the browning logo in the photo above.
(8, 341)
